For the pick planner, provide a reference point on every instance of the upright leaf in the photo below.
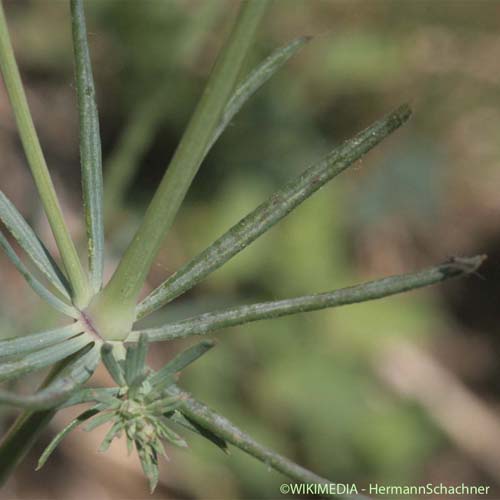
(29, 242)
(90, 146)
(32, 281)
(271, 211)
(38, 166)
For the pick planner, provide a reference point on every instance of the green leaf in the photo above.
(64, 432)
(135, 367)
(115, 430)
(90, 395)
(44, 293)
(125, 285)
(90, 146)
(44, 357)
(77, 372)
(99, 420)
(165, 375)
(30, 243)
(209, 322)
(167, 433)
(280, 204)
(254, 81)
(193, 426)
(38, 166)
(37, 341)
(112, 365)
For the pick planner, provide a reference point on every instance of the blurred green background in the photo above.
(400, 391)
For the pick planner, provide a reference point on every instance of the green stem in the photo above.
(275, 208)
(208, 322)
(112, 310)
(38, 166)
(222, 427)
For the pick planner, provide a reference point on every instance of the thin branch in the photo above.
(90, 146)
(208, 322)
(36, 160)
(222, 427)
(280, 204)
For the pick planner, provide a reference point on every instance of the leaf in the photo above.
(64, 432)
(44, 357)
(37, 341)
(90, 146)
(115, 430)
(185, 358)
(209, 322)
(254, 81)
(30, 243)
(99, 420)
(280, 204)
(195, 427)
(90, 395)
(113, 367)
(38, 166)
(135, 367)
(33, 282)
(76, 373)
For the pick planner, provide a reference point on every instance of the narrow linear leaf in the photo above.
(44, 357)
(99, 420)
(64, 432)
(90, 395)
(90, 146)
(280, 204)
(115, 430)
(254, 81)
(76, 373)
(171, 436)
(208, 322)
(29, 242)
(38, 166)
(112, 365)
(195, 427)
(227, 431)
(131, 273)
(44, 293)
(135, 360)
(185, 358)
(37, 341)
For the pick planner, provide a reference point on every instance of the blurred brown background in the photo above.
(400, 391)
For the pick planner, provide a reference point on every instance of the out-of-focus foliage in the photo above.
(304, 385)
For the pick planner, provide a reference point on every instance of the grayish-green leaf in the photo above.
(112, 365)
(254, 81)
(44, 357)
(208, 322)
(185, 358)
(76, 373)
(30, 243)
(280, 204)
(64, 432)
(90, 146)
(33, 282)
(99, 420)
(36, 341)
